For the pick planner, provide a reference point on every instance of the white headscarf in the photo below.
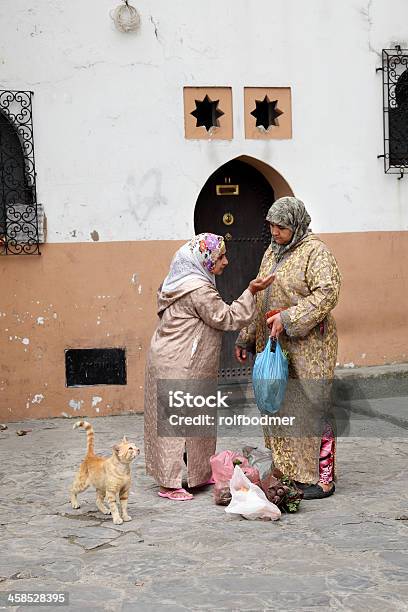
(194, 260)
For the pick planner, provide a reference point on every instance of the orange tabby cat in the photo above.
(110, 476)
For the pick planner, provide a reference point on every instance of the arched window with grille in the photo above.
(399, 123)
(19, 233)
(395, 110)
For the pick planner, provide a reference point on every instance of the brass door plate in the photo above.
(223, 190)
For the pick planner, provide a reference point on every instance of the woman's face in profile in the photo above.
(280, 234)
(220, 264)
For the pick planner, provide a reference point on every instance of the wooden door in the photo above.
(234, 203)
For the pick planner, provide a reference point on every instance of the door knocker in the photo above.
(228, 218)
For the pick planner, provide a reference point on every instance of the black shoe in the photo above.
(316, 492)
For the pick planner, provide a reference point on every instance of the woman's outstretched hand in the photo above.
(240, 354)
(259, 284)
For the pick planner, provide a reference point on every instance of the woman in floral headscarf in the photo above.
(186, 346)
(305, 290)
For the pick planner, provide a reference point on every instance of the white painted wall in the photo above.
(108, 107)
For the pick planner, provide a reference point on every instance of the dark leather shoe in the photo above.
(316, 492)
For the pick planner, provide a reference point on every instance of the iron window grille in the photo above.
(395, 110)
(19, 224)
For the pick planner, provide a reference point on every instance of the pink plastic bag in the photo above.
(223, 467)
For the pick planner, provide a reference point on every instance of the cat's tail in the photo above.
(90, 436)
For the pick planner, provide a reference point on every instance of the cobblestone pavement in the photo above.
(347, 552)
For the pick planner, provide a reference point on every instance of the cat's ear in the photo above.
(125, 439)
(116, 449)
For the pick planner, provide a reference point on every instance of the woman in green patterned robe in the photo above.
(305, 291)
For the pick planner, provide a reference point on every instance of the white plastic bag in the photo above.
(249, 500)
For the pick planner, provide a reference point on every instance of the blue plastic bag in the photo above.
(270, 378)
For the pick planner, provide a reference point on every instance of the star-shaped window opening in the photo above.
(266, 113)
(207, 113)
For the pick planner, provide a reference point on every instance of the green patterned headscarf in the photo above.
(291, 213)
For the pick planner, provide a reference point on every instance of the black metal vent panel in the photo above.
(231, 373)
(19, 232)
(97, 366)
(395, 110)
